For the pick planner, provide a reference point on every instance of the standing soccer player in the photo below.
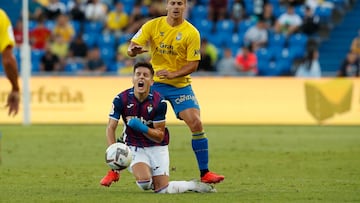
(175, 54)
(7, 42)
(143, 113)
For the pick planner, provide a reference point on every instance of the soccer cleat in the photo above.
(211, 177)
(111, 176)
(203, 187)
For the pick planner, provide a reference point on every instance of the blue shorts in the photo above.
(179, 98)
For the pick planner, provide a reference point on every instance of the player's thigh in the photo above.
(140, 164)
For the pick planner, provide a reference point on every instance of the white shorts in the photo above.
(156, 157)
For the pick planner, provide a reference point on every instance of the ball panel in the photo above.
(118, 156)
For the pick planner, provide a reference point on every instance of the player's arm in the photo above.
(110, 131)
(155, 134)
(10, 66)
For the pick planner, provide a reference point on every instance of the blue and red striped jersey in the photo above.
(151, 110)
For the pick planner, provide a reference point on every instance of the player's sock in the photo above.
(200, 148)
(144, 184)
(177, 187)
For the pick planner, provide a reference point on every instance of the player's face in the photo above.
(142, 80)
(176, 8)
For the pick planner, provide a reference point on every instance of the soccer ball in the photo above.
(118, 156)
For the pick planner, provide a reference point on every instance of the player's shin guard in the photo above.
(200, 148)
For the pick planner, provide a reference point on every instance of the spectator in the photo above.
(205, 64)
(310, 66)
(226, 65)
(311, 22)
(238, 11)
(257, 35)
(289, 22)
(117, 19)
(217, 9)
(60, 48)
(210, 50)
(355, 45)
(77, 11)
(36, 10)
(246, 61)
(49, 62)
(95, 64)
(54, 9)
(258, 7)
(350, 66)
(268, 16)
(64, 29)
(18, 33)
(40, 35)
(77, 50)
(95, 10)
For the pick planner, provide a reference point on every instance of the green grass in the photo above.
(64, 163)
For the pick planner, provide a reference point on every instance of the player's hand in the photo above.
(13, 101)
(138, 50)
(165, 74)
(136, 124)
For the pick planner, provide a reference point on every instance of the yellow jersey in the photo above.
(6, 32)
(170, 47)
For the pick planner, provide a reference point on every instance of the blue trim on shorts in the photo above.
(180, 98)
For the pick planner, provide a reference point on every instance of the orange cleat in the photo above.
(111, 176)
(211, 177)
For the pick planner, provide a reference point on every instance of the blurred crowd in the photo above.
(239, 37)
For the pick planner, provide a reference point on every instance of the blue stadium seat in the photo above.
(50, 24)
(124, 38)
(225, 25)
(36, 59)
(204, 26)
(279, 10)
(106, 40)
(297, 44)
(276, 42)
(93, 26)
(107, 54)
(76, 25)
(324, 13)
(199, 12)
(264, 54)
(32, 24)
(90, 39)
(236, 42)
(244, 25)
(272, 68)
(74, 67)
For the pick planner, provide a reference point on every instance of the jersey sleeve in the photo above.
(116, 108)
(193, 50)
(6, 32)
(142, 35)
(160, 112)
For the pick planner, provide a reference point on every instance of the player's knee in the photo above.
(144, 184)
(195, 125)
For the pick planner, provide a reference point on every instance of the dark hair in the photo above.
(145, 65)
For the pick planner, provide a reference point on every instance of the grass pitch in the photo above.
(64, 163)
